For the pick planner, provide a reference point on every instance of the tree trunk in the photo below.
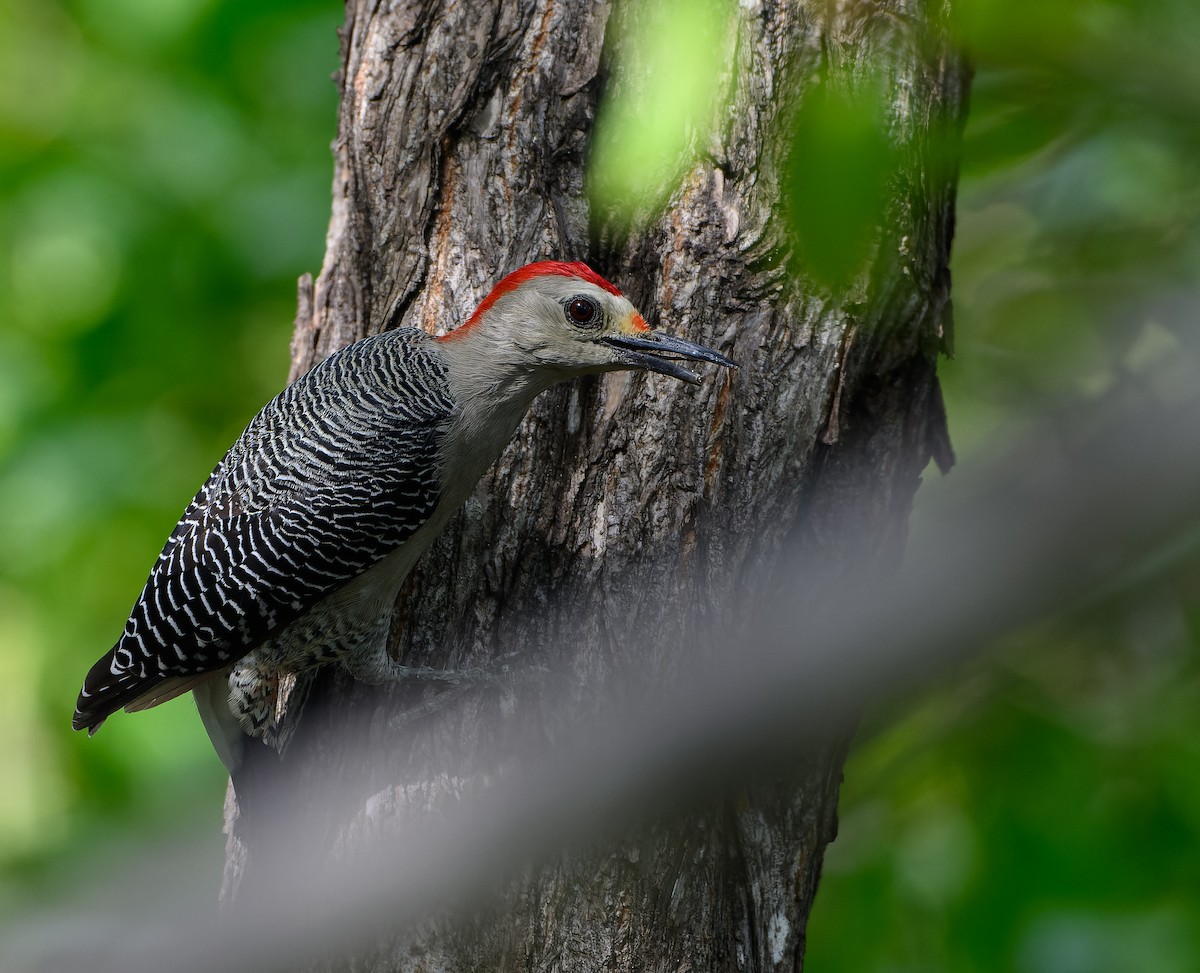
(628, 506)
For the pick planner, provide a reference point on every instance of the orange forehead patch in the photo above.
(634, 324)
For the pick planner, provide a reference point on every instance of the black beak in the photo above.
(661, 353)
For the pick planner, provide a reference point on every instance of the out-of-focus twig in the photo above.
(1024, 535)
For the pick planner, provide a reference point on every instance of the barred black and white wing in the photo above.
(331, 476)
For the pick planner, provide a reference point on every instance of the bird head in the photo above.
(567, 320)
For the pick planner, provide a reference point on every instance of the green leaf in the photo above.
(836, 181)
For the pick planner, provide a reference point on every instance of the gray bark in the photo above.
(628, 506)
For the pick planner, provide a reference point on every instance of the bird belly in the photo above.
(353, 620)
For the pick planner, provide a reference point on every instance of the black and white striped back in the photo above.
(333, 474)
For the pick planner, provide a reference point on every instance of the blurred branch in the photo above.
(1026, 534)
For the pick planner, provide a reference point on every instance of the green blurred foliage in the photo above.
(164, 178)
(661, 105)
(1039, 812)
(840, 168)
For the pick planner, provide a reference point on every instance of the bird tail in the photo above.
(166, 690)
(106, 688)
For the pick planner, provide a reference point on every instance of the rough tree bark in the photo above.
(628, 506)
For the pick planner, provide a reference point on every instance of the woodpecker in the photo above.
(292, 553)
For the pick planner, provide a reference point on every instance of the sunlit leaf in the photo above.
(837, 180)
(662, 104)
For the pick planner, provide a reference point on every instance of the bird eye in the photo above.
(583, 311)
